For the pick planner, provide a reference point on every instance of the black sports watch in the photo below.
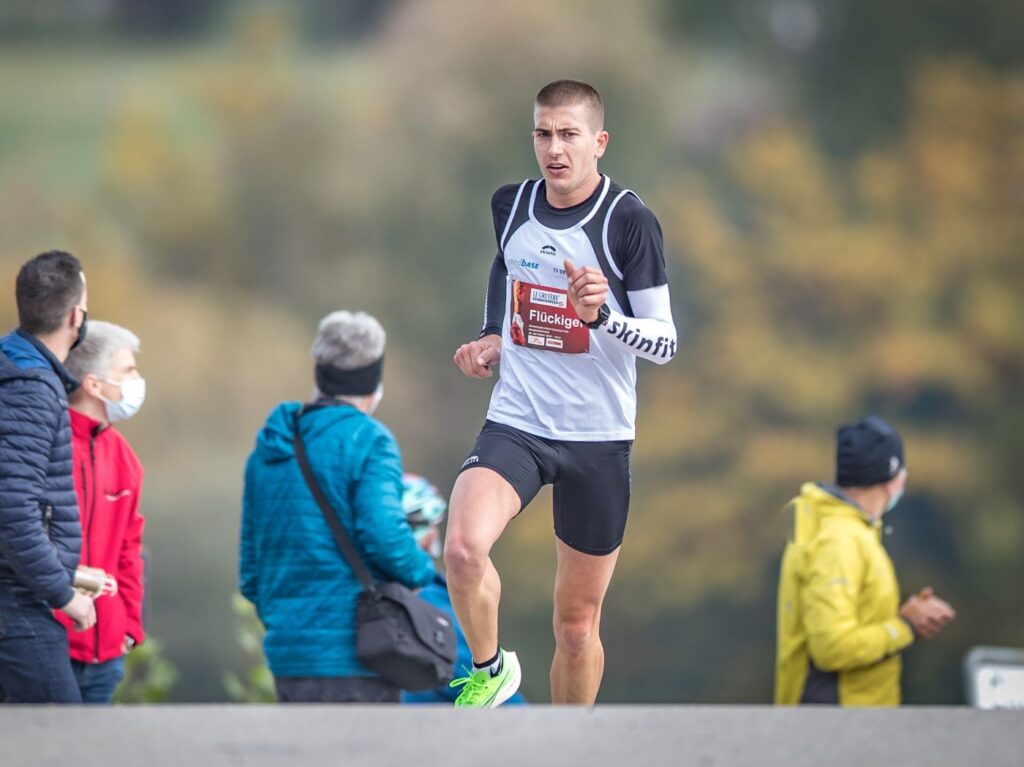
(603, 313)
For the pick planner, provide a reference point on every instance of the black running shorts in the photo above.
(590, 479)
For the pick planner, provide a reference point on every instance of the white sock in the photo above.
(493, 667)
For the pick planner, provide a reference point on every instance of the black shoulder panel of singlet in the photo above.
(510, 200)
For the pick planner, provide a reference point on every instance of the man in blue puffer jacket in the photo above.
(290, 566)
(40, 535)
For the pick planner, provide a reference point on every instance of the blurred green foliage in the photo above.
(149, 677)
(256, 684)
(832, 251)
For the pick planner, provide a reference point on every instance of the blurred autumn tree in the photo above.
(225, 194)
(819, 291)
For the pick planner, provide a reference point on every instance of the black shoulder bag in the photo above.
(399, 636)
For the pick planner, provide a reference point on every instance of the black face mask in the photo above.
(82, 330)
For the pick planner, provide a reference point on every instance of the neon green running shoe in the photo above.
(481, 690)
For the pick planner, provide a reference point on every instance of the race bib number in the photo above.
(543, 318)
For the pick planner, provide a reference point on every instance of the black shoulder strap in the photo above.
(348, 551)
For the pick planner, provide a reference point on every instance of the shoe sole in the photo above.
(509, 689)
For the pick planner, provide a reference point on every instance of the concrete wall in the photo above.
(702, 736)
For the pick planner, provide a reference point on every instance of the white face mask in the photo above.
(377, 397)
(133, 394)
(898, 495)
(893, 501)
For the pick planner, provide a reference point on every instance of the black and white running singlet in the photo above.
(557, 378)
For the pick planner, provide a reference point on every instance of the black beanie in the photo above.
(867, 453)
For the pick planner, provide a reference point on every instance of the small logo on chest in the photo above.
(548, 251)
(548, 298)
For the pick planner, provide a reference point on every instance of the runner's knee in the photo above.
(463, 557)
(577, 629)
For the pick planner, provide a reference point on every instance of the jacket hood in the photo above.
(26, 352)
(276, 442)
(831, 500)
(818, 501)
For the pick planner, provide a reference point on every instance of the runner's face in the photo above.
(568, 147)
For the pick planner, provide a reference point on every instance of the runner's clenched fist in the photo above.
(588, 290)
(476, 358)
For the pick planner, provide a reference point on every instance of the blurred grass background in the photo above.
(841, 186)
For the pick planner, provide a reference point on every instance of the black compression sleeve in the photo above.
(494, 306)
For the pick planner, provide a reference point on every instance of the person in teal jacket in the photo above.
(289, 565)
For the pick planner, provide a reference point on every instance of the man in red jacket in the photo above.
(108, 478)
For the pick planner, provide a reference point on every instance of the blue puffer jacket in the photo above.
(290, 566)
(40, 535)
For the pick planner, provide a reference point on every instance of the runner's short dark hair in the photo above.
(563, 92)
(47, 288)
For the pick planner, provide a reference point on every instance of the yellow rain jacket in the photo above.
(839, 633)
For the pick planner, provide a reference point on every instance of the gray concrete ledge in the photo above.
(619, 736)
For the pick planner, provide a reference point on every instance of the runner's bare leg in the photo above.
(482, 504)
(581, 582)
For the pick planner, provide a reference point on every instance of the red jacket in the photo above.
(108, 479)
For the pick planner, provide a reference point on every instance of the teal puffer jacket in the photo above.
(290, 567)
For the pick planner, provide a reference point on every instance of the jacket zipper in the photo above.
(88, 548)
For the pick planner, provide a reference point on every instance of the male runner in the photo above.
(577, 291)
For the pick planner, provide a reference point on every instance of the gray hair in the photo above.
(348, 340)
(102, 341)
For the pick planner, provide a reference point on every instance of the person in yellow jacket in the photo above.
(841, 627)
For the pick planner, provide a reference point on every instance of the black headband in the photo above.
(333, 381)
